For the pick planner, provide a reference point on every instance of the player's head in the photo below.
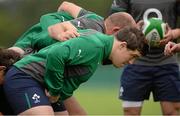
(117, 21)
(7, 58)
(129, 44)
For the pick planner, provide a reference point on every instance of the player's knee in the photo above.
(132, 111)
(132, 107)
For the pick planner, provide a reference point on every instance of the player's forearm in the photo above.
(176, 33)
(177, 47)
(71, 8)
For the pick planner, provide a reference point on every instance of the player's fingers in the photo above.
(164, 42)
(167, 48)
(166, 51)
(173, 49)
(76, 33)
(71, 34)
(62, 37)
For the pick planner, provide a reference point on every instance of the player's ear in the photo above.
(122, 44)
(115, 29)
(2, 68)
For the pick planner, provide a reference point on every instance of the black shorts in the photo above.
(137, 82)
(24, 92)
(4, 105)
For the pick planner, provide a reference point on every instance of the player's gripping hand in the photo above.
(69, 34)
(171, 48)
(63, 31)
(168, 35)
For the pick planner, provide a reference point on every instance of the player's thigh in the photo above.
(170, 108)
(167, 84)
(136, 83)
(23, 92)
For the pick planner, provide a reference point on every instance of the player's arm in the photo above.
(73, 107)
(176, 33)
(71, 8)
(119, 6)
(55, 64)
(170, 35)
(54, 18)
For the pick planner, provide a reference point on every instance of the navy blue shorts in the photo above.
(137, 82)
(23, 92)
(4, 105)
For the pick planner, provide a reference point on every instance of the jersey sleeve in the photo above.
(54, 18)
(25, 42)
(89, 21)
(56, 61)
(84, 12)
(119, 6)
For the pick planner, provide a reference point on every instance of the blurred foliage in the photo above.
(16, 16)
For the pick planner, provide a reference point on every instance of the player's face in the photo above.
(124, 56)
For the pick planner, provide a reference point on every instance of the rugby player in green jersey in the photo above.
(65, 66)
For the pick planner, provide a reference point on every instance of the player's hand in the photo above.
(67, 35)
(63, 31)
(171, 48)
(52, 99)
(168, 36)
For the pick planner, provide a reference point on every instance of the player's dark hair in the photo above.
(8, 57)
(134, 38)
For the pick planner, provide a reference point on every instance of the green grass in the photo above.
(106, 102)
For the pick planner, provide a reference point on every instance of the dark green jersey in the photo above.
(31, 36)
(68, 64)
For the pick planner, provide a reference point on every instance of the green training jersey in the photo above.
(64, 66)
(29, 38)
